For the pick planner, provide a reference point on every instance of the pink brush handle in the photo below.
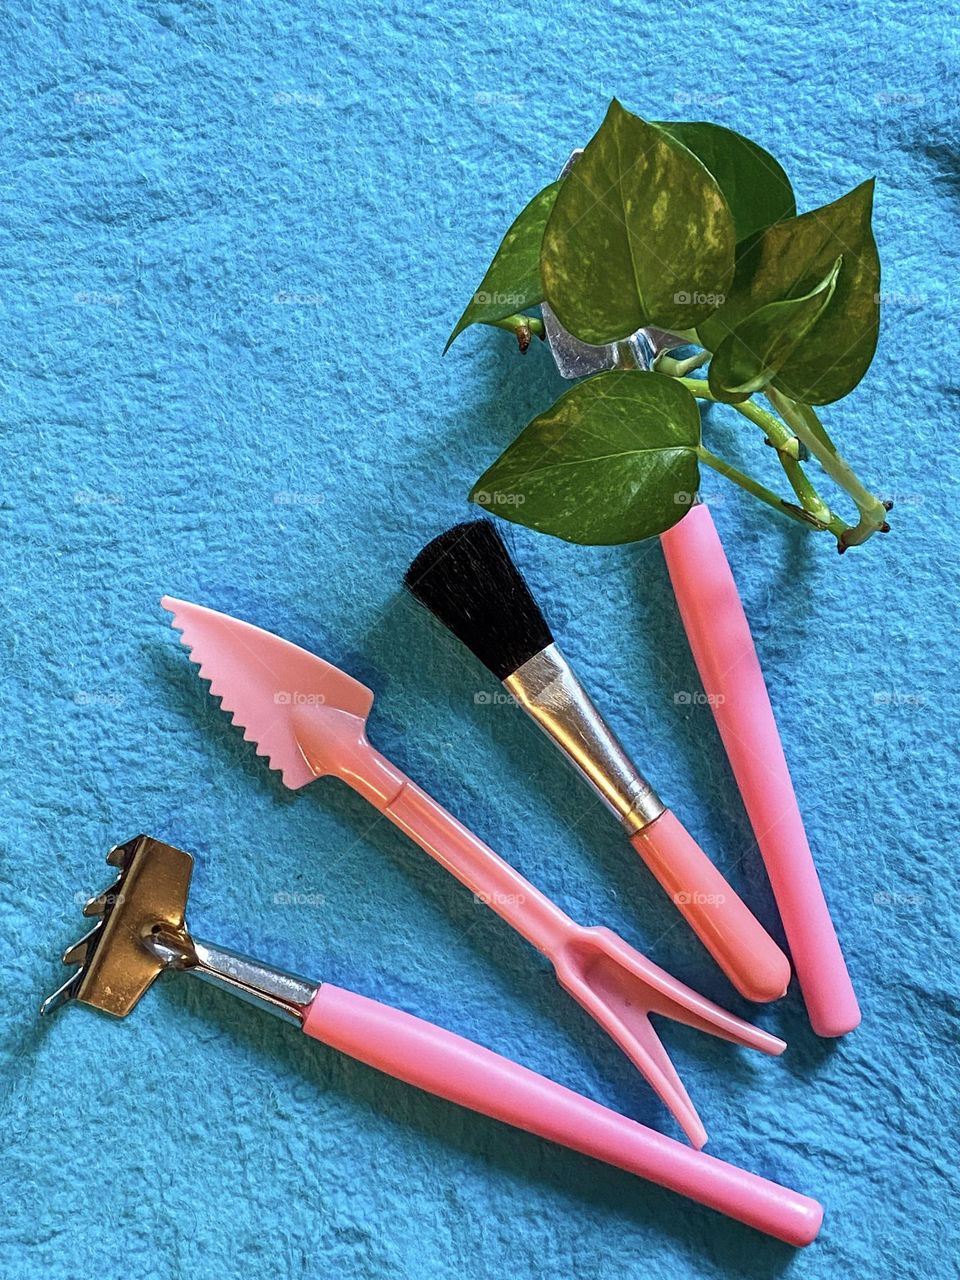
(727, 928)
(724, 652)
(460, 1071)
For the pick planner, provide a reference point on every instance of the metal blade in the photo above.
(116, 967)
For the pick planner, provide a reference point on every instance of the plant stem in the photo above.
(741, 478)
(809, 429)
(521, 326)
(680, 368)
(780, 438)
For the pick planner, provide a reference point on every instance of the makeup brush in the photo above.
(466, 578)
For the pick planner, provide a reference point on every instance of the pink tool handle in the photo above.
(460, 1071)
(724, 652)
(492, 881)
(727, 928)
(616, 985)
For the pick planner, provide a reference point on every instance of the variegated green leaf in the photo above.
(512, 282)
(614, 460)
(640, 234)
(786, 262)
(750, 358)
(754, 185)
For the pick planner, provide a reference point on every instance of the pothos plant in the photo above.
(693, 229)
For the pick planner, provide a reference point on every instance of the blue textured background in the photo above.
(170, 172)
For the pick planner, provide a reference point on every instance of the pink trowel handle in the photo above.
(616, 985)
(339, 745)
(724, 652)
(724, 924)
(460, 1071)
(492, 881)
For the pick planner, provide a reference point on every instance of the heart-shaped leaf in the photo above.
(788, 261)
(512, 282)
(753, 183)
(640, 234)
(614, 460)
(750, 358)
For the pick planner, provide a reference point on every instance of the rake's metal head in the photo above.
(576, 359)
(148, 896)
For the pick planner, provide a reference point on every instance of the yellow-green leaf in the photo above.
(640, 234)
(512, 282)
(753, 183)
(751, 357)
(786, 262)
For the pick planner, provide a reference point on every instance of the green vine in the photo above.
(690, 230)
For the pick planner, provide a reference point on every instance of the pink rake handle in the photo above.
(721, 920)
(460, 1071)
(724, 652)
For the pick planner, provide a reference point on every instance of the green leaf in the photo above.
(753, 183)
(614, 460)
(751, 357)
(640, 234)
(787, 261)
(512, 282)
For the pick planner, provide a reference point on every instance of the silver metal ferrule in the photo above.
(283, 994)
(547, 689)
(576, 359)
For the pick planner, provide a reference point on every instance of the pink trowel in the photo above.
(309, 719)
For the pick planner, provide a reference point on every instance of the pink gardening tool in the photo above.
(309, 719)
(723, 649)
(724, 652)
(141, 932)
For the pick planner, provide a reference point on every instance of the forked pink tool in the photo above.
(309, 719)
(141, 932)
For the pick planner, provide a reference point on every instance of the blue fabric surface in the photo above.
(234, 241)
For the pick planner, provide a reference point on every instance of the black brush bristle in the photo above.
(466, 578)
